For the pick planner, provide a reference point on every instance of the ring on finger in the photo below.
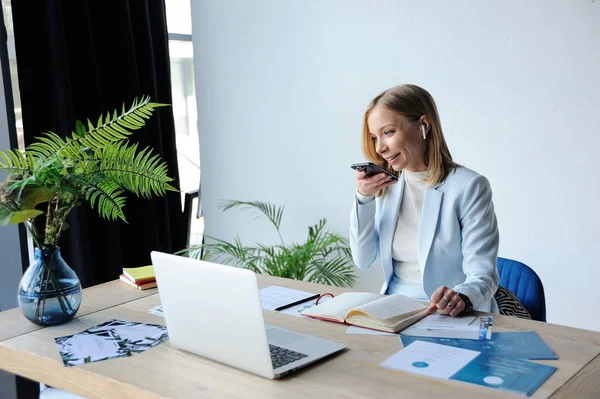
(446, 298)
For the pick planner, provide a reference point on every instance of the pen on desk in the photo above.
(289, 305)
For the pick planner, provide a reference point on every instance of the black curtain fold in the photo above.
(76, 60)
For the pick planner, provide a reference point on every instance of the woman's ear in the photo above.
(424, 122)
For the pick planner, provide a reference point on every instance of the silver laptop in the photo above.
(214, 311)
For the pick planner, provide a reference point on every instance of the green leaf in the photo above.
(93, 163)
(107, 197)
(271, 212)
(35, 196)
(142, 172)
(109, 129)
(13, 161)
(80, 128)
(335, 271)
(5, 215)
(30, 161)
(47, 145)
(22, 216)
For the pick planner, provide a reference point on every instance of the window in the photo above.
(12, 59)
(179, 25)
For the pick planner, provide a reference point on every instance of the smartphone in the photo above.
(371, 169)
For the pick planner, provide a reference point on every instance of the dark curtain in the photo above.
(77, 59)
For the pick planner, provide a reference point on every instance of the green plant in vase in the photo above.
(95, 164)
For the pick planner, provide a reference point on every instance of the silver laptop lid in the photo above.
(214, 311)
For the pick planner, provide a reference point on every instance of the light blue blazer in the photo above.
(458, 236)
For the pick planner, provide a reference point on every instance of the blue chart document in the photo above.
(522, 344)
(514, 375)
(448, 362)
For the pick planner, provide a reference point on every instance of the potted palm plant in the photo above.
(323, 258)
(95, 164)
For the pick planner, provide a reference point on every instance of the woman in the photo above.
(434, 230)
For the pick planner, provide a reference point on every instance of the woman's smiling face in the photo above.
(399, 141)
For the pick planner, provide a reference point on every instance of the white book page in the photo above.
(392, 305)
(341, 304)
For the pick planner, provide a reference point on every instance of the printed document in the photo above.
(298, 309)
(275, 296)
(449, 362)
(429, 359)
(516, 344)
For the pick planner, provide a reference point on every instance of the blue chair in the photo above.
(522, 281)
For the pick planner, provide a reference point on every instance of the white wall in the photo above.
(282, 86)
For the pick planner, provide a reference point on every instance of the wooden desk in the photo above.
(29, 351)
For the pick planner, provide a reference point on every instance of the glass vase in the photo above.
(49, 291)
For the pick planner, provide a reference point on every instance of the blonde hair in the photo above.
(413, 102)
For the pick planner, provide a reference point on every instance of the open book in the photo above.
(390, 313)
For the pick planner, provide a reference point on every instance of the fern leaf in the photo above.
(30, 161)
(13, 161)
(15, 158)
(143, 173)
(48, 145)
(107, 197)
(108, 130)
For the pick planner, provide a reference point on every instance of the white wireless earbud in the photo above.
(423, 130)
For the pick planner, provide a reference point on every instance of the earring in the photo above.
(423, 130)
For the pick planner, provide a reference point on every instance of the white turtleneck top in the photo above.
(405, 245)
(406, 237)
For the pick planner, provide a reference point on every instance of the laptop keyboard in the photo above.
(281, 356)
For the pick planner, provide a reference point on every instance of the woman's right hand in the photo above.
(368, 186)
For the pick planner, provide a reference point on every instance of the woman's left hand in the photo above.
(447, 301)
